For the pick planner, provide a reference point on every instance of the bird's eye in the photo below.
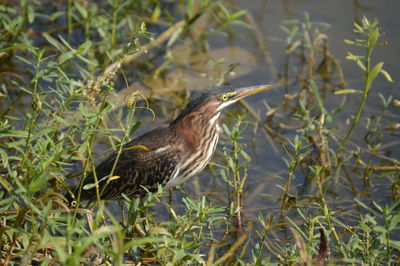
(227, 96)
(224, 97)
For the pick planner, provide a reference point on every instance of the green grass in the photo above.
(63, 74)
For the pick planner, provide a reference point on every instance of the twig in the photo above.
(383, 168)
(232, 249)
(160, 39)
(211, 254)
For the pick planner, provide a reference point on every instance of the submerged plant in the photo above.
(236, 167)
(370, 31)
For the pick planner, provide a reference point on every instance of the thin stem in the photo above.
(371, 33)
(36, 110)
(114, 22)
(90, 145)
(69, 18)
(326, 213)
(359, 110)
(121, 145)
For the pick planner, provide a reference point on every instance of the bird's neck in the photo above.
(197, 130)
(198, 138)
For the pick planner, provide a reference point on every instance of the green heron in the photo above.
(171, 154)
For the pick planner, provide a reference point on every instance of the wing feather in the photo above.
(136, 167)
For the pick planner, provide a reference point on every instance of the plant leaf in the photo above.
(347, 91)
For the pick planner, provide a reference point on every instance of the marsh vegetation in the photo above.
(80, 78)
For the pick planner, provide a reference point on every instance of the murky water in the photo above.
(267, 170)
(261, 57)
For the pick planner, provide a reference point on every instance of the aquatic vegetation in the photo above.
(78, 79)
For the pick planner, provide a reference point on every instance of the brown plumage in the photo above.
(173, 153)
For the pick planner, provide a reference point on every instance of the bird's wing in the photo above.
(135, 168)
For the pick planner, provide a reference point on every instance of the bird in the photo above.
(168, 155)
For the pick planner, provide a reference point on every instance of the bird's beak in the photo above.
(247, 91)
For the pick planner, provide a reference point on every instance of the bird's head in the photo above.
(210, 102)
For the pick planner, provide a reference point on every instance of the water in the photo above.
(267, 170)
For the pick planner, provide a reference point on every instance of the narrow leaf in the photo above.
(347, 91)
(373, 38)
(387, 75)
(89, 186)
(374, 72)
(13, 133)
(4, 158)
(314, 88)
(53, 42)
(136, 147)
(114, 177)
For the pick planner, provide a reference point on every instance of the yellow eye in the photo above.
(227, 96)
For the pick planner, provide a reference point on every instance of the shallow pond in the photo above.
(263, 52)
